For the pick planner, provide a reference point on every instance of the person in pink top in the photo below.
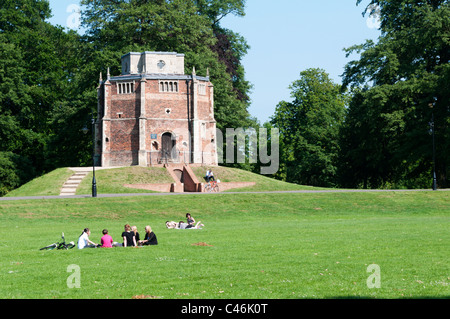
(106, 240)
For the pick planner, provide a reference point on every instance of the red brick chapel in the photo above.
(154, 113)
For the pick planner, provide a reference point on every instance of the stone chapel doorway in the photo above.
(168, 147)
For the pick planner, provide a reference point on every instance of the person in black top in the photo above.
(190, 221)
(150, 237)
(129, 240)
(136, 233)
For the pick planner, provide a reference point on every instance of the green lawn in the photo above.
(260, 246)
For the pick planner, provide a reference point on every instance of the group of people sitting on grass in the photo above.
(189, 224)
(130, 238)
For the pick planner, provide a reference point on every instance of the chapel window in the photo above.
(202, 89)
(168, 86)
(125, 87)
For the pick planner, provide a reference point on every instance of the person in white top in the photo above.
(211, 176)
(207, 176)
(83, 240)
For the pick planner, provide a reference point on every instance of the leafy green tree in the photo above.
(397, 78)
(230, 46)
(309, 128)
(216, 10)
(35, 72)
(14, 171)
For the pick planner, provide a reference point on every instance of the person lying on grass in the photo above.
(183, 225)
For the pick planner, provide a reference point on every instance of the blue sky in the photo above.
(285, 38)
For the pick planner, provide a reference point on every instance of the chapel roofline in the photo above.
(154, 52)
(158, 77)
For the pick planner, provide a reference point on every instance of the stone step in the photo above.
(72, 183)
(70, 186)
(66, 193)
(78, 177)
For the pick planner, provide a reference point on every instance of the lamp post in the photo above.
(94, 182)
(431, 105)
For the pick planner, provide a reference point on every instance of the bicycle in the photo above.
(212, 186)
(60, 245)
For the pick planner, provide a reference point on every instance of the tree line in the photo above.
(375, 130)
(370, 131)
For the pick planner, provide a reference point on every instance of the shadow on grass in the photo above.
(402, 298)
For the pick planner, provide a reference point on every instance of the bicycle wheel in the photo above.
(216, 188)
(49, 247)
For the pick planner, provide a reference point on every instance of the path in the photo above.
(224, 194)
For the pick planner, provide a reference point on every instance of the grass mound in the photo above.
(47, 185)
(111, 181)
(262, 183)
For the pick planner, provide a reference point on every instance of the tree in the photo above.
(35, 73)
(216, 10)
(309, 128)
(14, 171)
(397, 79)
(229, 46)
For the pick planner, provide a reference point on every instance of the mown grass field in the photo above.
(259, 246)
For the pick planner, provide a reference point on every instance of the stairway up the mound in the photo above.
(70, 186)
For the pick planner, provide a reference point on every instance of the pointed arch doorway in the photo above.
(168, 147)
